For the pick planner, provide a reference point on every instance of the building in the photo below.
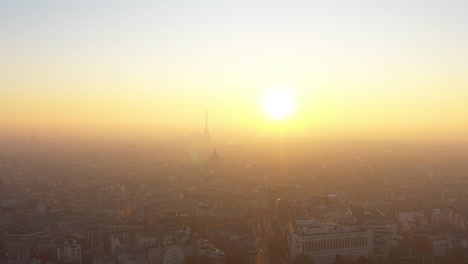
(321, 243)
(131, 253)
(20, 241)
(203, 249)
(376, 220)
(382, 228)
(205, 210)
(69, 252)
(436, 216)
(439, 246)
(174, 255)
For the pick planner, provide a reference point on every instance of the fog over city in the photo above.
(233, 132)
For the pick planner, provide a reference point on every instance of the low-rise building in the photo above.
(69, 252)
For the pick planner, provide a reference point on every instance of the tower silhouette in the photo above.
(206, 133)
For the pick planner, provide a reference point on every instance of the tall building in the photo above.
(321, 243)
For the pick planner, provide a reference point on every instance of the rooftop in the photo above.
(310, 227)
(359, 213)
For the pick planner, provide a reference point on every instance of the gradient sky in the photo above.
(358, 68)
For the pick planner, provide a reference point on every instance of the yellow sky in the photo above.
(393, 71)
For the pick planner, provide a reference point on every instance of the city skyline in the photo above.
(233, 132)
(359, 69)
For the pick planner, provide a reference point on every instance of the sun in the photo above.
(279, 103)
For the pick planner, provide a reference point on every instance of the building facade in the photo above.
(321, 243)
(69, 252)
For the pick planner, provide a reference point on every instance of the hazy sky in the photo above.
(360, 68)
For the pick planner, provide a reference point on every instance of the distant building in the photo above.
(69, 252)
(203, 249)
(42, 209)
(439, 246)
(19, 240)
(155, 254)
(204, 210)
(103, 260)
(131, 253)
(323, 242)
(381, 226)
(436, 216)
(377, 221)
(331, 199)
(174, 255)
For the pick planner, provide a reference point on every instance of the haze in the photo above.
(363, 69)
(233, 132)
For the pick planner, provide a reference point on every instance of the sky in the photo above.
(395, 69)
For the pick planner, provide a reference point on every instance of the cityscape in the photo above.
(233, 132)
(199, 201)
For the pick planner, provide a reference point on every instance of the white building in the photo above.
(69, 252)
(322, 242)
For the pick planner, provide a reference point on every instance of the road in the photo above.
(260, 243)
(270, 244)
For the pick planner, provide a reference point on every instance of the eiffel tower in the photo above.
(206, 133)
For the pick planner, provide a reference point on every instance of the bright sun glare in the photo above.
(279, 103)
